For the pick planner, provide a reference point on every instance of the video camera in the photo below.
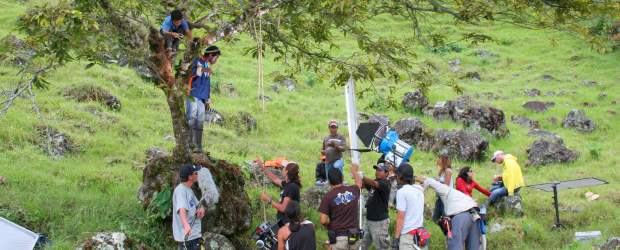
(266, 235)
(379, 137)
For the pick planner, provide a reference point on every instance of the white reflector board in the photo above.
(16, 237)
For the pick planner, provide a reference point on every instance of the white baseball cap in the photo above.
(496, 154)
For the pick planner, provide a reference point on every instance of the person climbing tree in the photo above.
(174, 28)
(199, 94)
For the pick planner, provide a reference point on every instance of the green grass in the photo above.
(71, 198)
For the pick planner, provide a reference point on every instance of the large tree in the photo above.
(301, 35)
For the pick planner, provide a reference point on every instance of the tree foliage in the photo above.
(302, 35)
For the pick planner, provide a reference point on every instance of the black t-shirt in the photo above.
(341, 205)
(291, 190)
(377, 205)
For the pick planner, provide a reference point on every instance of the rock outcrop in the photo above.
(578, 120)
(542, 152)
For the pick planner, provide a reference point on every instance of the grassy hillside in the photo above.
(95, 189)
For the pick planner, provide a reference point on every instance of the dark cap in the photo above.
(405, 171)
(384, 167)
(187, 170)
(213, 49)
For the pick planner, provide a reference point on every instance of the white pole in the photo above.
(349, 94)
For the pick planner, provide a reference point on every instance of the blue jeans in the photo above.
(497, 192)
(194, 112)
(339, 164)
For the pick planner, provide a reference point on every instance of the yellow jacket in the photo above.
(512, 176)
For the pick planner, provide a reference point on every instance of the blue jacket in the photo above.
(200, 84)
(168, 26)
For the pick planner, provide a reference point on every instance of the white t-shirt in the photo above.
(410, 199)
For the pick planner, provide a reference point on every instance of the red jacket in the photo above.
(467, 188)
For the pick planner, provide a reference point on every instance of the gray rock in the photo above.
(532, 92)
(473, 75)
(538, 106)
(510, 205)
(258, 177)
(289, 84)
(525, 122)
(543, 152)
(589, 83)
(213, 241)
(577, 119)
(264, 97)
(377, 118)
(169, 138)
(547, 77)
(411, 131)
(314, 195)
(415, 101)
(88, 93)
(545, 135)
(612, 244)
(484, 53)
(53, 142)
(602, 95)
(105, 241)
(472, 115)
(496, 228)
(461, 144)
(212, 116)
(454, 65)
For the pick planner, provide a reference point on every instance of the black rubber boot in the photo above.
(197, 139)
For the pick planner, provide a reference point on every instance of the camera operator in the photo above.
(339, 211)
(377, 218)
(290, 188)
(297, 234)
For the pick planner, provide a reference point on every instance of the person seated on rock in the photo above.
(339, 211)
(297, 233)
(186, 215)
(333, 146)
(199, 94)
(173, 29)
(291, 186)
(465, 182)
(511, 179)
(464, 220)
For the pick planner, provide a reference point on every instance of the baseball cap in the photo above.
(381, 166)
(332, 123)
(497, 153)
(187, 170)
(405, 171)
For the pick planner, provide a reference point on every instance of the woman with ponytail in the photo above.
(291, 186)
(297, 233)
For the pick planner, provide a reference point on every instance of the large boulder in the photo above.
(510, 205)
(462, 144)
(542, 152)
(550, 136)
(464, 110)
(578, 120)
(231, 216)
(485, 117)
(411, 131)
(415, 101)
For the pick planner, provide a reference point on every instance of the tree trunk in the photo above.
(161, 65)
